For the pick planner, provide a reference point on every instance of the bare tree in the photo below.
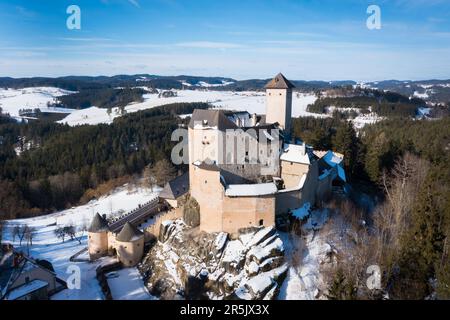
(70, 231)
(23, 229)
(29, 235)
(15, 232)
(1, 231)
(60, 233)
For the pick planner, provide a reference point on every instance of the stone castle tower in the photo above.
(279, 102)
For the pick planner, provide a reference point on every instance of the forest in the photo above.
(385, 104)
(404, 163)
(64, 162)
(101, 98)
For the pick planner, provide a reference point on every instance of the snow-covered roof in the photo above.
(302, 212)
(243, 190)
(332, 158)
(25, 289)
(295, 153)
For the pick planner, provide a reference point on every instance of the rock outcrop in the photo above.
(186, 263)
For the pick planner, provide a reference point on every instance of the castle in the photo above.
(277, 176)
(244, 169)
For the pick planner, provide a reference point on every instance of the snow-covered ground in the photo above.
(251, 101)
(305, 256)
(48, 247)
(127, 284)
(12, 100)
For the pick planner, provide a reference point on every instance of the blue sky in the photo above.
(305, 39)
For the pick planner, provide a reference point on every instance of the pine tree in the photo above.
(341, 288)
(346, 142)
(422, 247)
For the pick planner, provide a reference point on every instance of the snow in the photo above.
(220, 241)
(251, 101)
(295, 153)
(26, 289)
(48, 247)
(421, 95)
(364, 119)
(260, 283)
(259, 189)
(127, 284)
(12, 100)
(260, 253)
(258, 237)
(302, 281)
(332, 158)
(233, 251)
(316, 220)
(302, 212)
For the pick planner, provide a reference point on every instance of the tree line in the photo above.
(68, 161)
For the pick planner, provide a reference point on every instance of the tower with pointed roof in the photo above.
(130, 245)
(98, 237)
(279, 102)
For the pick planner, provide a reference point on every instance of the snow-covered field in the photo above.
(251, 101)
(47, 246)
(127, 284)
(12, 100)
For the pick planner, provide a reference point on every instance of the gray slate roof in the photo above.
(129, 233)
(279, 82)
(176, 187)
(98, 224)
(211, 118)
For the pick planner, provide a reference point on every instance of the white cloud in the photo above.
(209, 45)
(135, 3)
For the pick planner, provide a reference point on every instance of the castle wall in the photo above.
(292, 172)
(294, 199)
(130, 253)
(205, 144)
(208, 192)
(244, 212)
(153, 229)
(98, 244)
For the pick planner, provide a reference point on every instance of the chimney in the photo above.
(303, 149)
(254, 119)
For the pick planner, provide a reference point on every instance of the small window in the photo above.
(131, 262)
(261, 222)
(206, 181)
(280, 94)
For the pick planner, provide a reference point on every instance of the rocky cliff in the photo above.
(186, 263)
